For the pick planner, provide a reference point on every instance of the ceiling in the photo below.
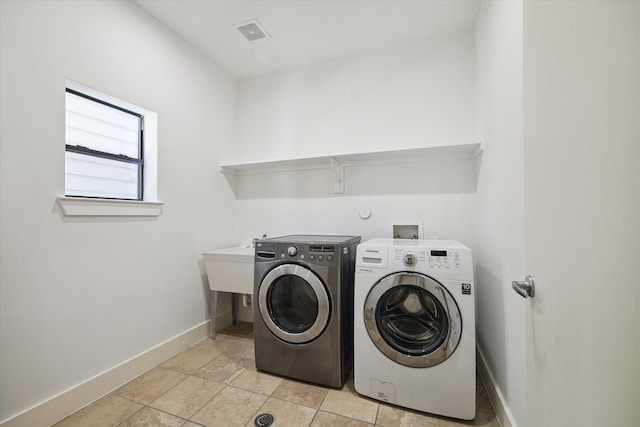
(304, 31)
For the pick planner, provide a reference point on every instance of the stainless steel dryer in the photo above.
(303, 316)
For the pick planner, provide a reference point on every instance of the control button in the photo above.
(409, 259)
(330, 258)
(457, 264)
(320, 258)
(301, 256)
(312, 257)
(292, 251)
(282, 256)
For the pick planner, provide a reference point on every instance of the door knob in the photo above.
(525, 289)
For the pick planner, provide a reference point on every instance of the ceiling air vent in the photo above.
(252, 30)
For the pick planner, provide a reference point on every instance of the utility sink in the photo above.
(230, 269)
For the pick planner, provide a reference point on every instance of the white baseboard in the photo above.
(500, 406)
(57, 407)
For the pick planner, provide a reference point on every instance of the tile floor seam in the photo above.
(187, 373)
(295, 403)
(148, 405)
(322, 410)
(165, 412)
(242, 389)
(171, 388)
(298, 404)
(189, 418)
(169, 413)
(121, 397)
(314, 416)
(142, 409)
(323, 399)
(260, 411)
(126, 419)
(206, 403)
(375, 420)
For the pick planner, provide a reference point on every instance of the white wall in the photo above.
(80, 296)
(411, 95)
(415, 95)
(500, 213)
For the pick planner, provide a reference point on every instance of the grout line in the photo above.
(375, 420)
(127, 419)
(206, 403)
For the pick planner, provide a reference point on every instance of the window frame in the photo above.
(139, 161)
(149, 205)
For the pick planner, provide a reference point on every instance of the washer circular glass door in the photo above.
(412, 319)
(294, 303)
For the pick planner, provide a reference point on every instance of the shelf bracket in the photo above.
(338, 172)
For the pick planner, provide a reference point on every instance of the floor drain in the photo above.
(264, 420)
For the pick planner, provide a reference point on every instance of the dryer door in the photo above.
(412, 319)
(293, 303)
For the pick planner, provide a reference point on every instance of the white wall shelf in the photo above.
(339, 161)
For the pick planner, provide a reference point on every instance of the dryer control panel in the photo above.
(306, 252)
(325, 254)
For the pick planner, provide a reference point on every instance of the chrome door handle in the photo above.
(525, 289)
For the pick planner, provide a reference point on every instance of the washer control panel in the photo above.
(436, 258)
(444, 259)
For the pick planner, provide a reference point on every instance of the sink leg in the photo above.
(234, 309)
(213, 299)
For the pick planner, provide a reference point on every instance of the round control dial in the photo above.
(292, 251)
(409, 259)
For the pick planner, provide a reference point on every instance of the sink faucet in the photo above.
(255, 239)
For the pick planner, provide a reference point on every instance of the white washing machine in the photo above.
(414, 325)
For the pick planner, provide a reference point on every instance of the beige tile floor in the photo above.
(215, 383)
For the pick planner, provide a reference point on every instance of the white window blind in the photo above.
(104, 143)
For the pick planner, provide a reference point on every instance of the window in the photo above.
(104, 149)
(111, 156)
